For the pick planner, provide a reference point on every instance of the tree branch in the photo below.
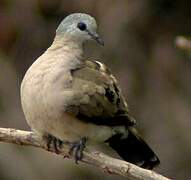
(100, 160)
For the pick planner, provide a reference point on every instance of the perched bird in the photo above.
(66, 97)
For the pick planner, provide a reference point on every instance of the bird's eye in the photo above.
(82, 26)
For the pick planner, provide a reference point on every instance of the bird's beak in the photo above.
(96, 37)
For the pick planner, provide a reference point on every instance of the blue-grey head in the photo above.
(79, 26)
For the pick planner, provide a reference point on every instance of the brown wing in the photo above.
(104, 104)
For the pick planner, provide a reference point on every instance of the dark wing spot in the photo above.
(118, 101)
(117, 92)
(110, 95)
(116, 89)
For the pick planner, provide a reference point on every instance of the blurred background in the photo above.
(140, 50)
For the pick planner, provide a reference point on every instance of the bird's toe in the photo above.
(53, 142)
(77, 149)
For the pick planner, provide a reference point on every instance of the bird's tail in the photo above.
(134, 149)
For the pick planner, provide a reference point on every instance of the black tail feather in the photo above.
(134, 150)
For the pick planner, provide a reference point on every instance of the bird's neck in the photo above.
(67, 44)
(68, 50)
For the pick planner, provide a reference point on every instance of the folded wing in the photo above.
(104, 104)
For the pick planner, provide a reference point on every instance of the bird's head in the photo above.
(79, 26)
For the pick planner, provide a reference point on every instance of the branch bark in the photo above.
(98, 159)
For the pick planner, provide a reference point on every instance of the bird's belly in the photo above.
(44, 110)
(53, 120)
(70, 128)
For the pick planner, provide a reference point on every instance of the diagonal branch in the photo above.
(100, 160)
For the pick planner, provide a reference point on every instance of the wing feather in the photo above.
(105, 104)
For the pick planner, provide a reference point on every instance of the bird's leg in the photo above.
(77, 149)
(53, 141)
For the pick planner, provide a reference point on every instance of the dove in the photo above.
(65, 96)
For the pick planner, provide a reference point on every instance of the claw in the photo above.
(77, 149)
(51, 140)
(56, 144)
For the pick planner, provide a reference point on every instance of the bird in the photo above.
(66, 97)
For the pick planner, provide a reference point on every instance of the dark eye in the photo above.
(82, 26)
